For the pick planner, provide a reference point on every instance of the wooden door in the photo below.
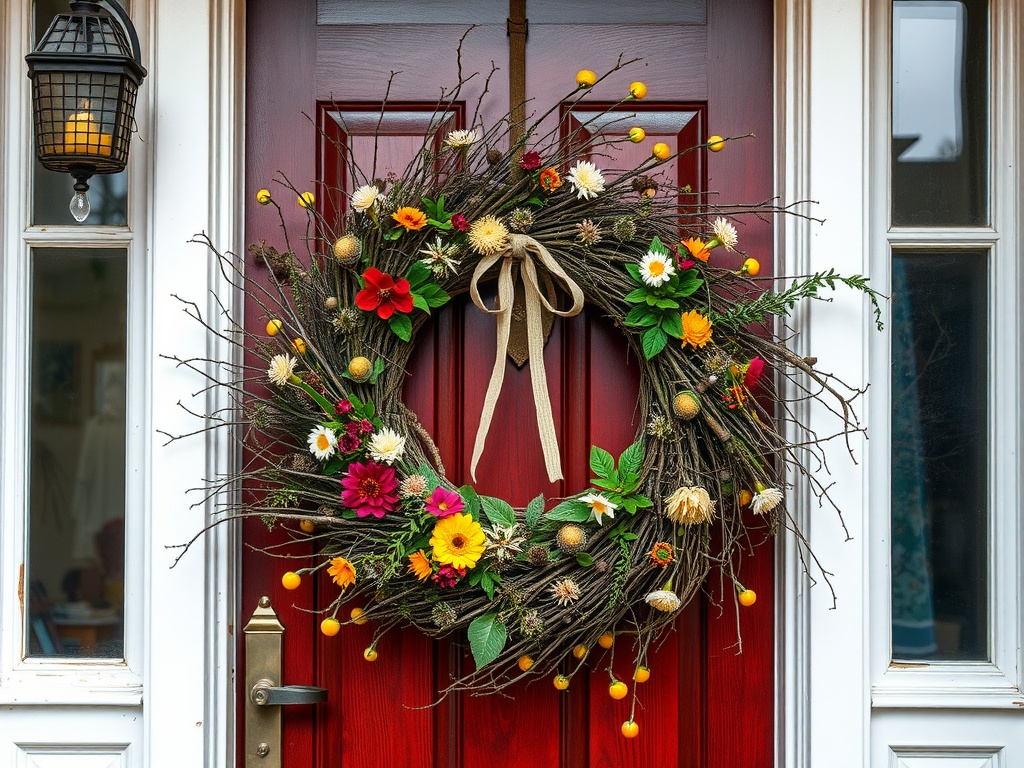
(709, 71)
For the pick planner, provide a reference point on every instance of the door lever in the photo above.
(266, 694)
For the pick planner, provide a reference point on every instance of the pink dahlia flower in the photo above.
(369, 489)
(443, 502)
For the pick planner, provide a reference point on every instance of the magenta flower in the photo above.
(343, 406)
(365, 427)
(348, 443)
(443, 502)
(685, 264)
(352, 429)
(447, 576)
(459, 222)
(530, 161)
(369, 489)
(753, 374)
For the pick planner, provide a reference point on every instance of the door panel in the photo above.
(704, 705)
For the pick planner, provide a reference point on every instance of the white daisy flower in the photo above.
(282, 368)
(725, 233)
(387, 446)
(586, 180)
(599, 506)
(656, 269)
(664, 600)
(441, 257)
(765, 500)
(461, 139)
(365, 197)
(322, 442)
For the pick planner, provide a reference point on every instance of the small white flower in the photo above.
(664, 600)
(725, 233)
(656, 269)
(322, 442)
(441, 257)
(282, 368)
(364, 197)
(566, 592)
(599, 506)
(414, 486)
(387, 446)
(765, 500)
(586, 180)
(461, 139)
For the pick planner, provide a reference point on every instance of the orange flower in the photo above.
(696, 329)
(410, 218)
(698, 248)
(419, 565)
(549, 180)
(342, 572)
(662, 554)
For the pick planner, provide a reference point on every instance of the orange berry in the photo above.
(747, 598)
(330, 627)
(525, 662)
(716, 143)
(306, 200)
(579, 651)
(561, 682)
(291, 580)
(274, 327)
(642, 674)
(307, 525)
(370, 654)
(618, 690)
(299, 346)
(263, 196)
(661, 151)
(636, 135)
(606, 641)
(630, 729)
(637, 90)
(357, 616)
(585, 78)
(751, 267)
(745, 497)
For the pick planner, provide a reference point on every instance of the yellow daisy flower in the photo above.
(458, 541)
(419, 565)
(342, 571)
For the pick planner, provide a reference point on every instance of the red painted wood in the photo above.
(704, 705)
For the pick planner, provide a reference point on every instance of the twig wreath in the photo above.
(338, 458)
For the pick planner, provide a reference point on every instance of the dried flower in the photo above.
(387, 446)
(325, 511)
(566, 592)
(342, 572)
(765, 500)
(645, 186)
(530, 161)
(504, 542)
(322, 442)
(664, 600)
(282, 369)
(520, 220)
(588, 233)
(410, 218)
(441, 257)
(494, 156)
(443, 502)
(549, 180)
(384, 294)
(725, 233)
(656, 268)
(488, 236)
(686, 405)
(457, 541)
(585, 180)
(571, 538)
(346, 249)
(659, 426)
(443, 615)
(530, 623)
(696, 329)
(662, 554)
(419, 565)
(461, 139)
(346, 321)
(689, 505)
(369, 489)
(624, 229)
(599, 506)
(364, 198)
(538, 555)
(414, 486)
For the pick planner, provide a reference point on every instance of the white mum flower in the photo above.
(461, 139)
(387, 446)
(599, 506)
(656, 269)
(664, 600)
(322, 442)
(765, 500)
(586, 180)
(282, 368)
(725, 233)
(365, 197)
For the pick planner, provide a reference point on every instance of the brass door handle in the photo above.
(266, 694)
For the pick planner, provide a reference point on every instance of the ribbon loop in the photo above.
(524, 250)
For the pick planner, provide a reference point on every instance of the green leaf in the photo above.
(632, 459)
(432, 479)
(438, 298)
(471, 500)
(666, 304)
(601, 462)
(634, 272)
(420, 303)
(636, 296)
(653, 341)
(487, 637)
(487, 585)
(394, 234)
(672, 324)
(607, 483)
(498, 511)
(569, 512)
(642, 502)
(658, 247)
(320, 399)
(584, 559)
(417, 274)
(534, 510)
(641, 317)
(688, 285)
(401, 326)
(629, 504)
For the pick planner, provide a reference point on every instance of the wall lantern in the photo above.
(85, 72)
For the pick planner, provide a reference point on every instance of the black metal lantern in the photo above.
(85, 72)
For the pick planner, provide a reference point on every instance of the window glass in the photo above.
(939, 151)
(75, 572)
(939, 456)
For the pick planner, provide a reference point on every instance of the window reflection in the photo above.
(75, 572)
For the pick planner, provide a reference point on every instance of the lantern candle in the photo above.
(82, 136)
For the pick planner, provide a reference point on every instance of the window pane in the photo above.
(77, 465)
(51, 192)
(939, 456)
(939, 113)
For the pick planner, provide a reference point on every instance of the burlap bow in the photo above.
(523, 249)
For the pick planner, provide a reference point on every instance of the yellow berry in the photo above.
(330, 627)
(357, 616)
(561, 682)
(370, 654)
(716, 143)
(299, 346)
(642, 674)
(274, 327)
(745, 497)
(606, 641)
(525, 662)
(636, 135)
(579, 651)
(661, 151)
(618, 690)
(306, 200)
(359, 368)
(585, 78)
(307, 525)
(748, 597)
(630, 729)
(751, 267)
(291, 580)
(637, 90)
(686, 405)
(263, 196)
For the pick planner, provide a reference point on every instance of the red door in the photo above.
(708, 71)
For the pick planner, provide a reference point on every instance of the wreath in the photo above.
(338, 458)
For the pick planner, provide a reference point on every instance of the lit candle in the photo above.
(82, 136)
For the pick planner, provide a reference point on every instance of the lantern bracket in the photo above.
(114, 7)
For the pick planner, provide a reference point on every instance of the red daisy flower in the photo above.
(530, 161)
(384, 294)
(370, 489)
(459, 222)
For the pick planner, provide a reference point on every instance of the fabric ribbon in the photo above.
(522, 250)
